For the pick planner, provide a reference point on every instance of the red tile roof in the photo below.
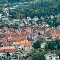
(9, 50)
(15, 36)
(4, 42)
(23, 42)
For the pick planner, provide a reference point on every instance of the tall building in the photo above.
(19, 24)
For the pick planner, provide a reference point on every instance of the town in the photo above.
(28, 38)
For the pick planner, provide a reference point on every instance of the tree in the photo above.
(39, 21)
(16, 56)
(36, 44)
(58, 46)
(58, 53)
(46, 46)
(39, 33)
(57, 41)
(0, 58)
(38, 56)
(53, 45)
(8, 54)
(15, 26)
(50, 45)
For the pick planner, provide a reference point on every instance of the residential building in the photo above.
(51, 56)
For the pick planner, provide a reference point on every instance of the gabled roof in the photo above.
(23, 42)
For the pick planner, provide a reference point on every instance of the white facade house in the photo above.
(35, 18)
(43, 45)
(50, 56)
(52, 16)
(28, 18)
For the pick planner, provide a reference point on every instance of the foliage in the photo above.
(39, 9)
(13, 1)
(13, 14)
(38, 21)
(7, 54)
(16, 56)
(58, 53)
(36, 44)
(15, 26)
(37, 55)
(53, 45)
(0, 58)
